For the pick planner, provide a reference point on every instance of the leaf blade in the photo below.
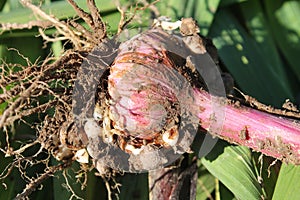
(284, 20)
(288, 183)
(241, 180)
(246, 62)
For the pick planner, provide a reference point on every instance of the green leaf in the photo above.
(2, 3)
(59, 9)
(229, 2)
(201, 10)
(134, 186)
(3, 106)
(225, 193)
(57, 48)
(21, 45)
(12, 184)
(284, 19)
(205, 184)
(95, 187)
(7, 187)
(259, 30)
(61, 188)
(251, 68)
(59, 192)
(172, 8)
(288, 184)
(232, 165)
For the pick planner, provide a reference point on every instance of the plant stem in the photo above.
(174, 183)
(272, 135)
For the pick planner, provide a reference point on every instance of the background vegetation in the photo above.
(258, 43)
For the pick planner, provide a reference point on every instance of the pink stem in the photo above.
(272, 135)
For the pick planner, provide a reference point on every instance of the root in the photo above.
(61, 27)
(29, 25)
(125, 20)
(32, 186)
(44, 89)
(68, 186)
